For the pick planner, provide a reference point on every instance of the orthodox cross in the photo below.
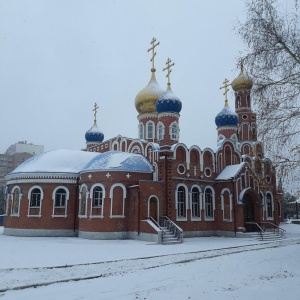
(95, 112)
(153, 53)
(168, 67)
(225, 87)
(242, 65)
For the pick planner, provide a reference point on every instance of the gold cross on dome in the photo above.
(153, 53)
(225, 87)
(168, 67)
(95, 112)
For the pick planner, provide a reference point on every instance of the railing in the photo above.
(260, 230)
(171, 226)
(271, 227)
(267, 227)
(152, 220)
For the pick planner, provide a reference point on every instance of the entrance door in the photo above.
(153, 208)
(249, 215)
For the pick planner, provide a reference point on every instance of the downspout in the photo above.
(139, 210)
(166, 184)
(234, 207)
(76, 203)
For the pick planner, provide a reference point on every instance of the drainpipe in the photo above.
(234, 207)
(139, 211)
(76, 203)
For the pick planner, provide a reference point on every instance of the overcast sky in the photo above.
(57, 58)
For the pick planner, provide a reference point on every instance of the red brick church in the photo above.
(152, 187)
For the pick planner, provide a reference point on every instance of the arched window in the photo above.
(15, 208)
(160, 131)
(60, 198)
(209, 204)
(117, 200)
(141, 131)
(150, 130)
(181, 203)
(269, 206)
(174, 131)
(35, 197)
(195, 207)
(82, 202)
(98, 194)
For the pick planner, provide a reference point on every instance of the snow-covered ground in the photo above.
(200, 268)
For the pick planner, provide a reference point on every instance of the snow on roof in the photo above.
(119, 161)
(229, 172)
(56, 161)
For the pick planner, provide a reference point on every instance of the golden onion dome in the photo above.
(242, 82)
(145, 100)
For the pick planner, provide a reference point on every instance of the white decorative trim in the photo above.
(112, 200)
(230, 204)
(168, 114)
(148, 208)
(92, 196)
(146, 116)
(41, 201)
(178, 218)
(213, 203)
(40, 180)
(66, 202)
(191, 202)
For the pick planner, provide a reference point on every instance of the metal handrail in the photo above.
(177, 231)
(156, 223)
(280, 230)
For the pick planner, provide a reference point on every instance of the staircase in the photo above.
(267, 231)
(171, 233)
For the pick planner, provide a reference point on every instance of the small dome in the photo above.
(226, 117)
(168, 102)
(94, 135)
(242, 82)
(146, 99)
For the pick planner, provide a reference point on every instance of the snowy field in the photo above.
(200, 268)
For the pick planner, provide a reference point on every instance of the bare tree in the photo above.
(271, 33)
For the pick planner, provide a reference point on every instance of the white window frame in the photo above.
(160, 131)
(35, 207)
(223, 205)
(150, 123)
(83, 216)
(209, 218)
(111, 195)
(101, 208)
(181, 218)
(193, 218)
(54, 207)
(174, 135)
(141, 131)
(12, 201)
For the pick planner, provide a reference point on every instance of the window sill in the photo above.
(34, 216)
(96, 217)
(195, 219)
(59, 216)
(209, 219)
(82, 216)
(116, 216)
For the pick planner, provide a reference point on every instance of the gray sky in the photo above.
(57, 58)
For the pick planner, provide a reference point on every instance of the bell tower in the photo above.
(247, 130)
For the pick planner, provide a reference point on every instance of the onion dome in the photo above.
(226, 117)
(242, 82)
(146, 99)
(168, 102)
(94, 135)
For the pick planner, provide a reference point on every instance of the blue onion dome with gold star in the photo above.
(226, 117)
(242, 82)
(168, 102)
(94, 134)
(145, 100)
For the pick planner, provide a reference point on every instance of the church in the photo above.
(152, 187)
